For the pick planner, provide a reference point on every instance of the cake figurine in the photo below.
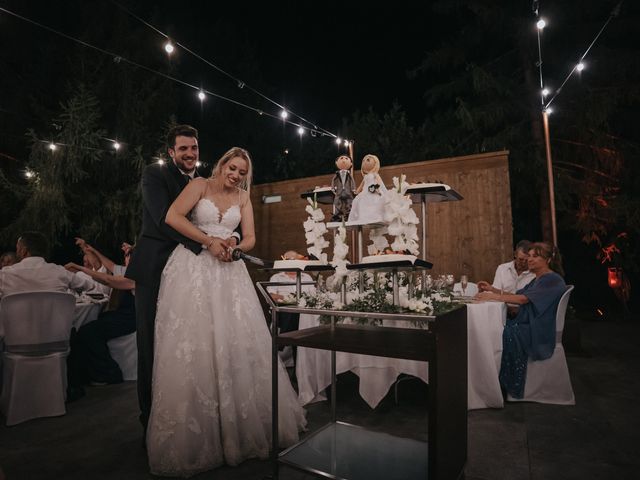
(369, 204)
(344, 187)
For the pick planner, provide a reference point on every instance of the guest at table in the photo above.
(511, 276)
(90, 360)
(288, 322)
(7, 259)
(531, 334)
(96, 261)
(34, 273)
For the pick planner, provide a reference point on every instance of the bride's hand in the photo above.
(218, 249)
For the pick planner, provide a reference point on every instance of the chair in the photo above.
(548, 380)
(37, 326)
(124, 350)
(470, 291)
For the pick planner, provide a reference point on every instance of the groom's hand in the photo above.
(218, 248)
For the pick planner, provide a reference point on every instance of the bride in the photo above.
(212, 362)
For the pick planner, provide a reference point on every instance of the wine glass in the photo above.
(464, 281)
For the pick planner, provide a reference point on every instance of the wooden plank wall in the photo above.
(470, 236)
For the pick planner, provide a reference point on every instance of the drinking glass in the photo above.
(464, 281)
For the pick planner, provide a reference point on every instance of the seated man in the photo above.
(34, 273)
(511, 276)
(90, 360)
(288, 322)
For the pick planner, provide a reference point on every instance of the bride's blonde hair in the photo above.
(376, 164)
(233, 152)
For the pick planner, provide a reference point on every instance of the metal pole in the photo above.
(552, 196)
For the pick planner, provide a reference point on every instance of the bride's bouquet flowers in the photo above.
(402, 220)
(314, 230)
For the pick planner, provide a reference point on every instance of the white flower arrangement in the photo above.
(378, 240)
(314, 230)
(402, 220)
(378, 297)
(340, 251)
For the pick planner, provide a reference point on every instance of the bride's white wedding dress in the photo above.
(212, 363)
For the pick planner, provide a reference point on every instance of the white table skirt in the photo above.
(485, 322)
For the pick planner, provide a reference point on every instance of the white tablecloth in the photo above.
(485, 322)
(87, 312)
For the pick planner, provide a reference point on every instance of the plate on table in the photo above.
(96, 296)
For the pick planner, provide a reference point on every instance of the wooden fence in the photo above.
(470, 236)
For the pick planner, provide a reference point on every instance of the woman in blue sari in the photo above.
(531, 334)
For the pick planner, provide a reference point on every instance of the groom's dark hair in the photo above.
(180, 130)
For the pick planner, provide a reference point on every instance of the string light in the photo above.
(201, 95)
(160, 161)
(169, 47)
(545, 92)
(549, 110)
(198, 164)
(541, 24)
(346, 143)
(338, 140)
(116, 146)
(240, 83)
(580, 66)
(29, 174)
(300, 130)
(52, 146)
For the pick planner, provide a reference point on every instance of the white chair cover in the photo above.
(37, 326)
(548, 380)
(470, 291)
(124, 350)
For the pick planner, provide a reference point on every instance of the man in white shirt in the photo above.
(511, 276)
(34, 273)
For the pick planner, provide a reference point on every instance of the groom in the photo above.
(161, 184)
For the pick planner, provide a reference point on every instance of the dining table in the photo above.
(485, 322)
(88, 308)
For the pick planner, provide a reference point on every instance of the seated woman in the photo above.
(90, 360)
(532, 332)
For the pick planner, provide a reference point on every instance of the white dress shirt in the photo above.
(34, 274)
(508, 280)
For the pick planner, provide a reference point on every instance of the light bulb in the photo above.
(580, 67)
(284, 114)
(198, 163)
(52, 146)
(300, 130)
(116, 146)
(161, 161)
(545, 91)
(541, 24)
(201, 95)
(338, 140)
(168, 47)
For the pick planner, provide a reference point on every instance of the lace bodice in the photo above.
(207, 217)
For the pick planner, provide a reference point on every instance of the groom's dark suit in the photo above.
(161, 184)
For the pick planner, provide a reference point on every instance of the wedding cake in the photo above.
(389, 257)
(296, 264)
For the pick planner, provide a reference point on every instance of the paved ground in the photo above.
(599, 438)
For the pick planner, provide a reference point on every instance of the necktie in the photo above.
(186, 177)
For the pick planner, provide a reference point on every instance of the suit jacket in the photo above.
(343, 190)
(161, 185)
